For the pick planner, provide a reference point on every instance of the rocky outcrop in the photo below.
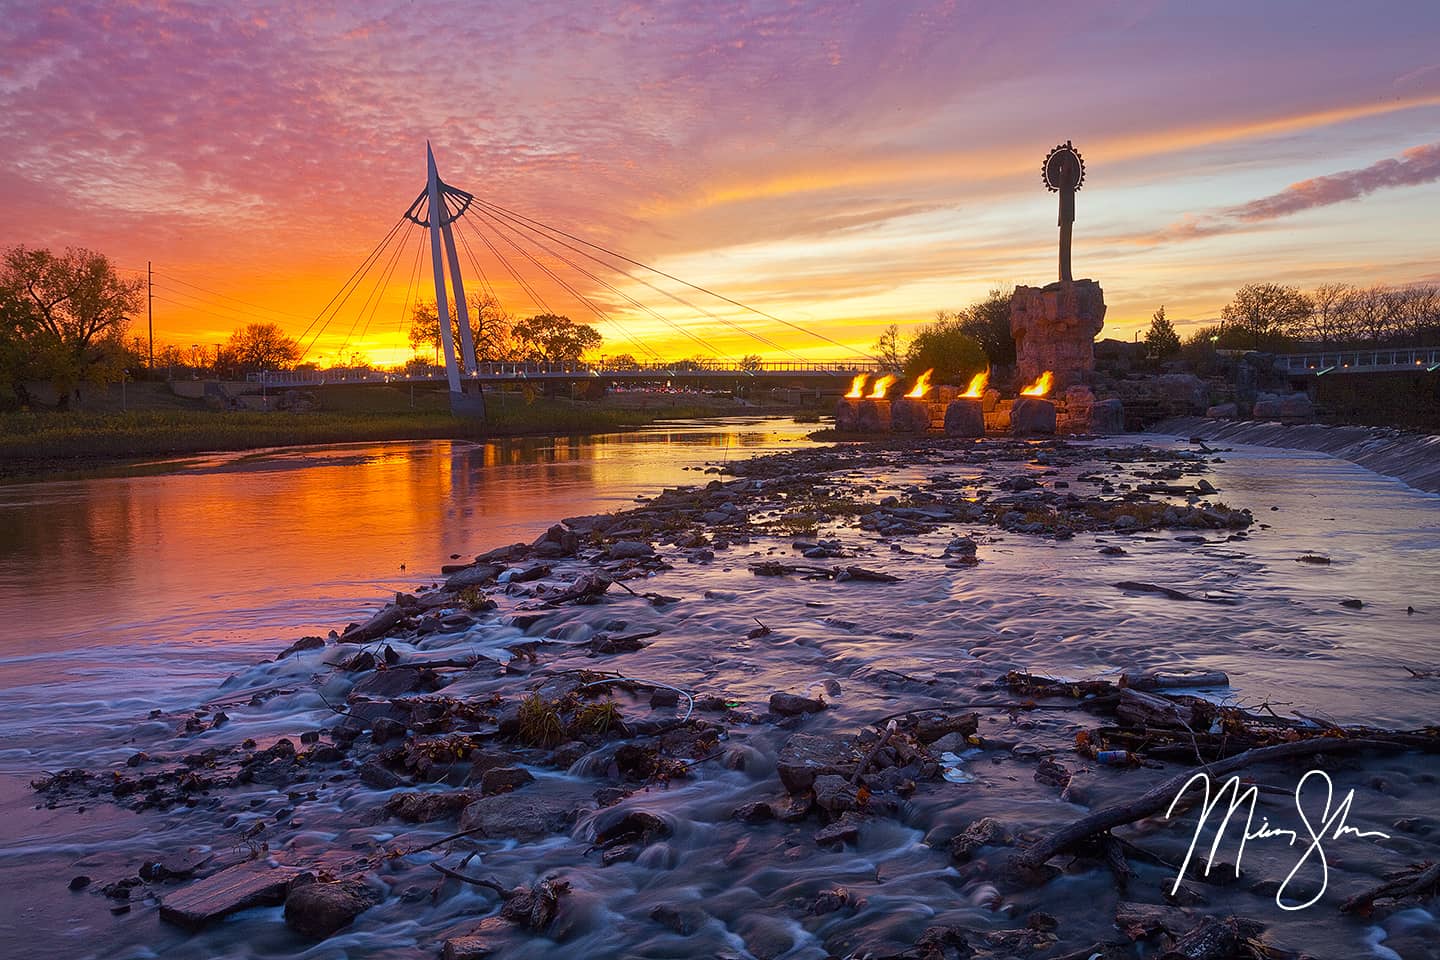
(1054, 329)
(1294, 408)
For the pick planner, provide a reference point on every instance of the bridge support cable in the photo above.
(475, 262)
(639, 345)
(537, 237)
(586, 302)
(345, 290)
(669, 276)
(372, 302)
(406, 316)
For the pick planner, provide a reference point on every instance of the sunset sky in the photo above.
(841, 166)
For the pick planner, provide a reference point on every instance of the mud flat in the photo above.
(924, 699)
(1412, 458)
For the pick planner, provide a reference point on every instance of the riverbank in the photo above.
(39, 444)
(1412, 458)
(666, 730)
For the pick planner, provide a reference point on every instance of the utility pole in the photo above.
(150, 308)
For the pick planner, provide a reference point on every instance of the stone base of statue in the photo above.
(1054, 329)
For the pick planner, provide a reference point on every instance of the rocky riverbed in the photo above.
(838, 702)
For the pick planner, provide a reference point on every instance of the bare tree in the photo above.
(1329, 303)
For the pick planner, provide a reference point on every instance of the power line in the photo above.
(223, 296)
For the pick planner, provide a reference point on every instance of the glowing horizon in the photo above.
(840, 167)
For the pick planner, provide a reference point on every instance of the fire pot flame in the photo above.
(922, 386)
(881, 386)
(977, 385)
(857, 386)
(1041, 386)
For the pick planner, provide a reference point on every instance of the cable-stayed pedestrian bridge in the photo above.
(554, 270)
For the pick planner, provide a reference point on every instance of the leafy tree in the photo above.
(259, 346)
(887, 348)
(1267, 313)
(944, 346)
(62, 318)
(491, 327)
(1161, 338)
(553, 338)
(751, 362)
(988, 323)
(624, 361)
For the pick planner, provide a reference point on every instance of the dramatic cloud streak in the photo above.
(1413, 167)
(1416, 166)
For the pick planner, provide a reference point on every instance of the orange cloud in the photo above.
(993, 164)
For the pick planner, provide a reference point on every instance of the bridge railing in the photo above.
(1388, 358)
(504, 370)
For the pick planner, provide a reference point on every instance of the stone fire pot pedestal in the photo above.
(847, 415)
(965, 417)
(874, 416)
(908, 415)
(1032, 416)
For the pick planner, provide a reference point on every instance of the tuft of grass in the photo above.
(599, 717)
(540, 723)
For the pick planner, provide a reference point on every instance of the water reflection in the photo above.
(260, 545)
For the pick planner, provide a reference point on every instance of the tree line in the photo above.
(1274, 317)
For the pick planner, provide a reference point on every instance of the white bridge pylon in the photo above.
(438, 219)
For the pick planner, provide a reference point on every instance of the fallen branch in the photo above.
(1159, 797)
(1417, 882)
(880, 745)
(505, 894)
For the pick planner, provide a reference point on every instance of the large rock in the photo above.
(317, 910)
(1223, 411)
(965, 418)
(1032, 416)
(1294, 408)
(1107, 416)
(847, 415)
(473, 576)
(249, 884)
(1054, 329)
(524, 816)
(1184, 390)
(806, 756)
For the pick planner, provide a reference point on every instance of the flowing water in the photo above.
(124, 595)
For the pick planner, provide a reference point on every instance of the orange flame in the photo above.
(922, 386)
(1040, 387)
(857, 386)
(977, 385)
(881, 386)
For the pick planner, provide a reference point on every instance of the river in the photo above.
(130, 594)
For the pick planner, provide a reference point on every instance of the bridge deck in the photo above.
(1388, 360)
(644, 373)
